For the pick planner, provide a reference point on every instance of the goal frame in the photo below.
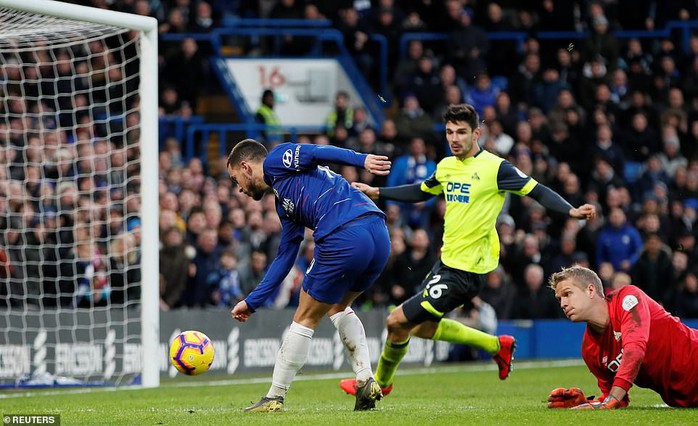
(148, 93)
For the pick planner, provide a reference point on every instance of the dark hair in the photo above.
(247, 150)
(462, 112)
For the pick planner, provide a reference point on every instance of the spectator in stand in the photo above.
(641, 140)
(651, 270)
(361, 121)
(603, 178)
(468, 46)
(565, 256)
(369, 144)
(502, 141)
(651, 176)
(407, 66)
(619, 242)
(408, 169)
(499, 56)
(671, 158)
(412, 121)
(341, 137)
(606, 147)
(506, 113)
(483, 94)
(267, 116)
(175, 267)
(568, 67)
(203, 20)
(388, 135)
(500, 293)
(686, 304)
(448, 77)
(125, 270)
(202, 284)
(411, 267)
(355, 33)
(535, 301)
(342, 115)
(690, 77)
(171, 104)
(620, 90)
(529, 253)
(228, 292)
(387, 22)
(601, 43)
(545, 91)
(522, 82)
(425, 83)
(254, 273)
(594, 73)
(185, 71)
(175, 23)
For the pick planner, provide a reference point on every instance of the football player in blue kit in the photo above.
(352, 246)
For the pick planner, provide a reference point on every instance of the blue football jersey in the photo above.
(311, 194)
(308, 195)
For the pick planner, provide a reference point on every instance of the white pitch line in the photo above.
(524, 365)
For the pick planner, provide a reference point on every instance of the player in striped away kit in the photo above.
(474, 183)
(352, 246)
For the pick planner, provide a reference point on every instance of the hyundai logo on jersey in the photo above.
(286, 158)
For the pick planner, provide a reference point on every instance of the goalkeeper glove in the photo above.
(610, 403)
(567, 398)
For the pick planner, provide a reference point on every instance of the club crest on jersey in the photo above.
(288, 206)
(629, 302)
(617, 335)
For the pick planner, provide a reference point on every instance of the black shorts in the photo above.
(444, 289)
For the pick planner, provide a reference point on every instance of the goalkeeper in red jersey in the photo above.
(629, 340)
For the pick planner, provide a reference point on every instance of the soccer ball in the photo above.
(191, 352)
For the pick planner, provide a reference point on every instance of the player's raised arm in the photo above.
(377, 164)
(511, 179)
(303, 156)
(412, 193)
(407, 193)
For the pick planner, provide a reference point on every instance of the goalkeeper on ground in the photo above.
(629, 339)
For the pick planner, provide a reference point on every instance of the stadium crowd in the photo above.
(613, 122)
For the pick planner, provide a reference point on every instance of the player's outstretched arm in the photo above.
(241, 311)
(377, 164)
(586, 211)
(552, 201)
(371, 191)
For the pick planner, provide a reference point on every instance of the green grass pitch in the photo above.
(449, 394)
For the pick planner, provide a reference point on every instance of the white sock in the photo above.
(352, 333)
(290, 359)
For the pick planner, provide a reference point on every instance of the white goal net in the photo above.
(78, 196)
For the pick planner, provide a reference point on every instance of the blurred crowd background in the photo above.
(602, 120)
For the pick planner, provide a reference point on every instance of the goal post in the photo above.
(86, 333)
